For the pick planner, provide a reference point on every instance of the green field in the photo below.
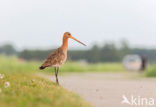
(151, 72)
(15, 64)
(26, 89)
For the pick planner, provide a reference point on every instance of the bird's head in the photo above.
(68, 35)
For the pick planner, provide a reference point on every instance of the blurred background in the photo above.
(111, 29)
(120, 35)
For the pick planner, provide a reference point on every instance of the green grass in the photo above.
(31, 91)
(151, 72)
(33, 66)
(100, 67)
(28, 90)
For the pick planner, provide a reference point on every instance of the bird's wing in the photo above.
(54, 58)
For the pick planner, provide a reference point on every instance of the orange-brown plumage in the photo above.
(59, 56)
(55, 59)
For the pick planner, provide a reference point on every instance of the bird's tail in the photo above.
(42, 67)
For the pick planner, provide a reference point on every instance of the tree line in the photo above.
(109, 52)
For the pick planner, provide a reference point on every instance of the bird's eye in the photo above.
(69, 34)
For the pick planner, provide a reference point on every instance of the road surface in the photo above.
(108, 89)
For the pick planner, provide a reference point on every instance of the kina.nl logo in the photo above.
(138, 101)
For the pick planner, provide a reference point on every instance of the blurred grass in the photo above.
(14, 64)
(31, 91)
(151, 72)
(98, 67)
(28, 90)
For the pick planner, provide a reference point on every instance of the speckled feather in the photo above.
(55, 59)
(58, 57)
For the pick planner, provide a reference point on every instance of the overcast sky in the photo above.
(41, 23)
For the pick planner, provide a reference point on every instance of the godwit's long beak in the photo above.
(78, 41)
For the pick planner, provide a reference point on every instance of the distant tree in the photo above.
(93, 55)
(76, 55)
(124, 49)
(109, 53)
(34, 54)
(7, 49)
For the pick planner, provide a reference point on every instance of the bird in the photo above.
(58, 57)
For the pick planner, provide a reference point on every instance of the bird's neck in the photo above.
(64, 46)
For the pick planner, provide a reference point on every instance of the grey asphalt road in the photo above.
(107, 89)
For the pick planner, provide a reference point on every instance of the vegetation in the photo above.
(16, 64)
(151, 72)
(109, 52)
(27, 89)
(7, 49)
(21, 87)
(98, 67)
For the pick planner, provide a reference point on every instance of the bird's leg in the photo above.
(57, 75)
(56, 72)
(55, 69)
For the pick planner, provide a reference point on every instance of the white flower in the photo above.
(1, 76)
(6, 84)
